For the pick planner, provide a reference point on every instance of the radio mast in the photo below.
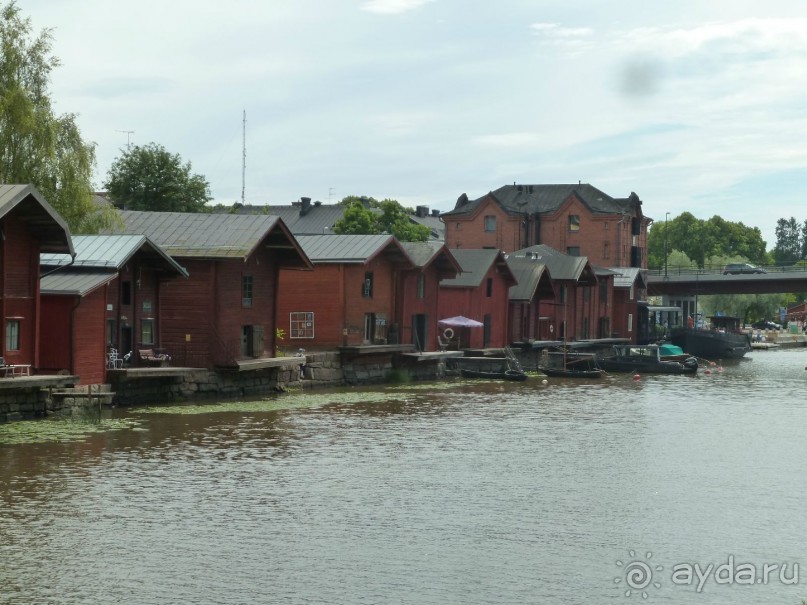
(244, 157)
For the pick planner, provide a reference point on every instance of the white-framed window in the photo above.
(630, 322)
(574, 222)
(367, 285)
(147, 331)
(632, 292)
(246, 291)
(147, 307)
(301, 324)
(490, 223)
(12, 335)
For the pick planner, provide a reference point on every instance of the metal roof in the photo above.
(546, 199)
(529, 273)
(349, 248)
(109, 251)
(475, 265)
(74, 283)
(31, 208)
(627, 276)
(562, 266)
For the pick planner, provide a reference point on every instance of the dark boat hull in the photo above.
(570, 373)
(661, 367)
(712, 344)
(507, 375)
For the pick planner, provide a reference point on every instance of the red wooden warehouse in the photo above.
(223, 315)
(480, 292)
(105, 302)
(28, 226)
(352, 296)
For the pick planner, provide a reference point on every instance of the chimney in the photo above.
(421, 211)
(305, 205)
(435, 212)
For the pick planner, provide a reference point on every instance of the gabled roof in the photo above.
(424, 254)
(475, 265)
(215, 236)
(74, 283)
(562, 266)
(110, 251)
(351, 249)
(546, 199)
(31, 208)
(534, 280)
(628, 276)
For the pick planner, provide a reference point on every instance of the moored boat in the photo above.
(571, 372)
(723, 341)
(505, 375)
(644, 359)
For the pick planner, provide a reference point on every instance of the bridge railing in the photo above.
(671, 270)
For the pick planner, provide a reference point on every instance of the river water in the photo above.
(424, 494)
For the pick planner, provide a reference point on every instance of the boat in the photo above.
(644, 359)
(724, 340)
(505, 375)
(571, 372)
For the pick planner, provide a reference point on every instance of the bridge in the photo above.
(690, 282)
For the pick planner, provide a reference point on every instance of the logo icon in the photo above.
(638, 574)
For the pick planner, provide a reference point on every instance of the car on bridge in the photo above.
(737, 268)
(766, 325)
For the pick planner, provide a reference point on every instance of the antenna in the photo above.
(129, 133)
(244, 157)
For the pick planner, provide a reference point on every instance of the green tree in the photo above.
(36, 145)
(148, 177)
(700, 239)
(368, 216)
(790, 241)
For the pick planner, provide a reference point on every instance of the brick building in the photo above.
(579, 220)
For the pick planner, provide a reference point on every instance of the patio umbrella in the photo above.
(460, 322)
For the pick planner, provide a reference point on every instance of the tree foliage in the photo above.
(36, 145)
(148, 177)
(700, 239)
(791, 241)
(368, 216)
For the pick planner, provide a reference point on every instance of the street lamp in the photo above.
(666, 223)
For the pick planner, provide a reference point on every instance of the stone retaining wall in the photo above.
(21, 404)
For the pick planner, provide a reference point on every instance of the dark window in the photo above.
(574, 222)
(563, 293)
(604, 292)
(605, 249)
(367, 285)
(12, 335)
(490, 223)
(421, 294)
(147, 331)
(246, 291)
(486, 329)
(126, 293)
(489, 287)
(573, 250)
(110, 333)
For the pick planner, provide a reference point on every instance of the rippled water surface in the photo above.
(477, 493)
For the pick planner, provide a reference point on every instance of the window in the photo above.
(146, 306)
(604, 292)
(563, 293)
(587, 294)
(126, 293)
(301, 324)
(630, 322)
(489, 287)
(12, 335)
(574, 222)
(246, 291)
(147, 331)
(421, 293)
(490, 223)
(367, 285)
(110, 333)
(632, 293)
(605, 226)
(605, 249)
(459, 226)
(573, 250)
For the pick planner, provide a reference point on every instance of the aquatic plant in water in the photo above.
(52, 430)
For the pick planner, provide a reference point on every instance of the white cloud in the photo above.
(392, 7)
(507, 139)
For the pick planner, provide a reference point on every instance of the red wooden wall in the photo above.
(475, 304)
(19, 295)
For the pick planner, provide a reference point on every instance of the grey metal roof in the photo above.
(546, 199)
(197, 235)
(30, 207)
(562, 266)
(627, 276)
(422, 253)
(528, 272)
(109, 251)
(349, 248)
(475, 264)
(434, 223)
(74, 283)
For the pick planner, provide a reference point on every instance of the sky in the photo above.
(696, 106)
